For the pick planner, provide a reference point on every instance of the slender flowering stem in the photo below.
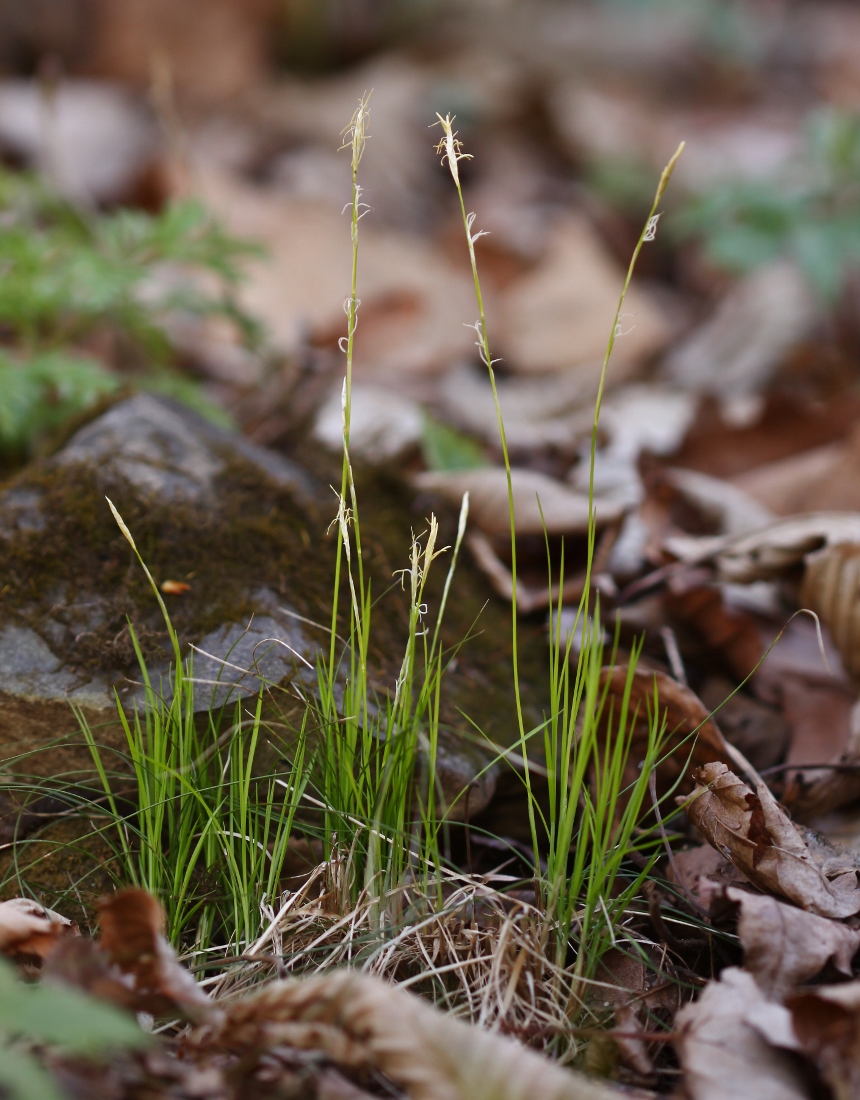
(452, 152)
(355, 139)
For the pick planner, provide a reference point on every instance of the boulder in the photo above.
(235, 528)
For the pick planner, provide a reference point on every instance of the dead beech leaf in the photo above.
(633, 1050)
(411, 295)
(827, 1024)
(727, 1040)
(703, 872)
(692, 737)
(825, 726)
(28, 930)
(554, 410)
(530, 597)
(831, 587)
(734, 353)
(770, 551)
(132, 937)
(564, 510)
(751, 830)
(785, 946)
(827, 474)
(557, 316)
(175, 588)
(729, 631)
(359, 1021)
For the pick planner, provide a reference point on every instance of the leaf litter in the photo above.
(726, 496)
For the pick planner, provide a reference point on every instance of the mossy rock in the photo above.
(245, 529)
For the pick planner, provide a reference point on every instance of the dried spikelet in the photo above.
(428, 1055)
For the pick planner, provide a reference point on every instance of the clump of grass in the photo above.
(378, 789)
(205, 835)
(593, 824)
(211, 840)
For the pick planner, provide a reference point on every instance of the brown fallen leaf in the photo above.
(769, 552)
(629, 985)
(703, 872)
(785, 946)
(829, 475)
(175, 588)
(564, 511)
(29, 932)
(729, 631)
(559, 315)
(735, 352)
(382, 424)
(360, 1022)
(751, 830)
(758, 729)
(728, 1042)
(831, 587)
(633, 1050)
(685, 716)
(132, 937)
(412, 298)
(824, 728)
(547, 410)
(827, 1024)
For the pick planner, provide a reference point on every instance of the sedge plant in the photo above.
(594, 817)
(378, 789)
(205, 834)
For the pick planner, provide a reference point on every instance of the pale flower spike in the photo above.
(450, 148)
(355, 134)
(121, 524)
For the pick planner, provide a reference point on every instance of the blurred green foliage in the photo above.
(810, 214)
(56, 1016)
(72, 280)
(444, 448)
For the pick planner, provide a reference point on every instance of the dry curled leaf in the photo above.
(826, 1022)
(132, 938)
(831, 587)
(530, 597)
(729, 631)
(812, 792)
(703, 872)
(784, 946)
(540, 502)
(692, 737)
(728, 1044)
(359, 1021)
(175, 588)
(772, 550)
(28, 931)
(751, 830)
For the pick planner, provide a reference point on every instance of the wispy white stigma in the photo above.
(450, 147)
(651, 228)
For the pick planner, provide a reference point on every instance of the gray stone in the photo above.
(235, 660)
(202, 504)
(29, 669)
(67, 639)
(165, 450)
